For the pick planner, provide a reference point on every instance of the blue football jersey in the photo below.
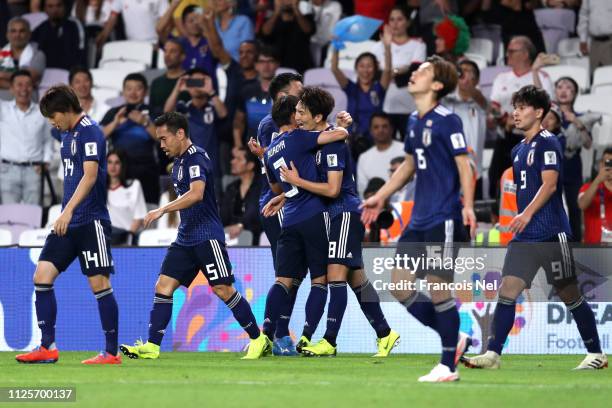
(297, 146)
(434, 140)
(266, 129)
(201, 221)
(337, 157)
(529, 160)
(85, 142)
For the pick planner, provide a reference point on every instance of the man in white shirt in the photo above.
(594, 25)
(326, 15)
(25, 143)
(139, 18)
(374, 162)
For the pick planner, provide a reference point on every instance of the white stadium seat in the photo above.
(602, 132)
(602, 77)
(350, 53)
(482, 47)
(33, 238)
(478, 59)
(578, 74)
(35, 19)
(52, 76)
(6, 238)
(109, 79)
(123, 65)
(569, 47)
(593, 103)
(53, 214)
(157, 237)
(284, 70)
(141, 51)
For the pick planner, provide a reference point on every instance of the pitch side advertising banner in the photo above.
(200, 322)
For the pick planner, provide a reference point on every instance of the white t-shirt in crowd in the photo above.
(374, 163)
(126, 204)
(398, 100)
(507, 83)
(140, 17)
(90, 14)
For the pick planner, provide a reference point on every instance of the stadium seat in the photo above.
(341, 101)
(593, 103)
(350, 53)
(482, 47)
(6, 238)
(109, 79)
(104, 94)
(487, 76)
(34, 237)
(602, 132)
(29, 215)
(478, 59)
(244, 239)
(577, 61)
(283, 70)
(35, 19)
(602, 76)
(53, 214)
(141, 51)
(124, 65)
(161, 64)
(579, 74)
(605, 88)
(324, 78)
(263, 240)
(157, 237)
(569, 47)
(555, 25)
(52, 76)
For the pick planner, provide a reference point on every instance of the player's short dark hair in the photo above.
(529, 95)
(20, 72)
(471, 64)
(79, 70)
(188, 10)
(173, 121)
(136, 76)
(381, 115)
(318, 101)
(281, 82)
(445, 73)
(283, 109)
(59, 99)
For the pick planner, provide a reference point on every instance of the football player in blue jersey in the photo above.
(200, 243)
(437, 152)
(82, 230)
(303, 240)
(283, 84)
(538, 171)
(337, 185)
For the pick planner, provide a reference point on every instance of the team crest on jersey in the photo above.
(318, 157)
(426, 137)
(374, 99)
(530, 156)
(411, 134)
(73, 147)
(209, 116)
(533, 144)
(179, 173)
(428, 123)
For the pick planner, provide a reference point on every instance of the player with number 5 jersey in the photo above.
(82, 230)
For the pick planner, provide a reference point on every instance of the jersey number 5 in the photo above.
(523, 179)
(294, 190)
(68, 166)
(421, 162)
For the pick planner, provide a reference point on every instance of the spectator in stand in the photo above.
(576, 129)
(25, 143)
(254, 102)
(404, 52)
(139, 19)
(378, 9)
(125, 201)
(131, 130)
(20, 53)
(177, 15)
(594, 26)
(92, 14)
(406, 193)
(430, 12)
(452, 38)
(370, 163)
(366, 96)
(471, 106)
(518, 20)
(60, 38)
(203, 110)
(81, 81)
(240, 203)
(595, 200)
(233, 29)
(526, 66)
(569, 4)
(326, 14)
(162, 86)
(289, 30)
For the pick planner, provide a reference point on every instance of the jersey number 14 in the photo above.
(68, 167)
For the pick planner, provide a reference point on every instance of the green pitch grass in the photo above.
(203, 380)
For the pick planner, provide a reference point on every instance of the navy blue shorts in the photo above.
(303, 247)
(89, 242)
(524, 259)
(444, 234)
(272, 228)
(183, 263)
(345, 237)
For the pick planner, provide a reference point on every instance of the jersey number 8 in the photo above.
(294, 190)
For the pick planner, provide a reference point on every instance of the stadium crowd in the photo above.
(214, 60)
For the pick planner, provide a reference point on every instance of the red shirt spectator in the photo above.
(379, 9)
(598, 217)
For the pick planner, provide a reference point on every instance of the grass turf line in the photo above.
(350, 380)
